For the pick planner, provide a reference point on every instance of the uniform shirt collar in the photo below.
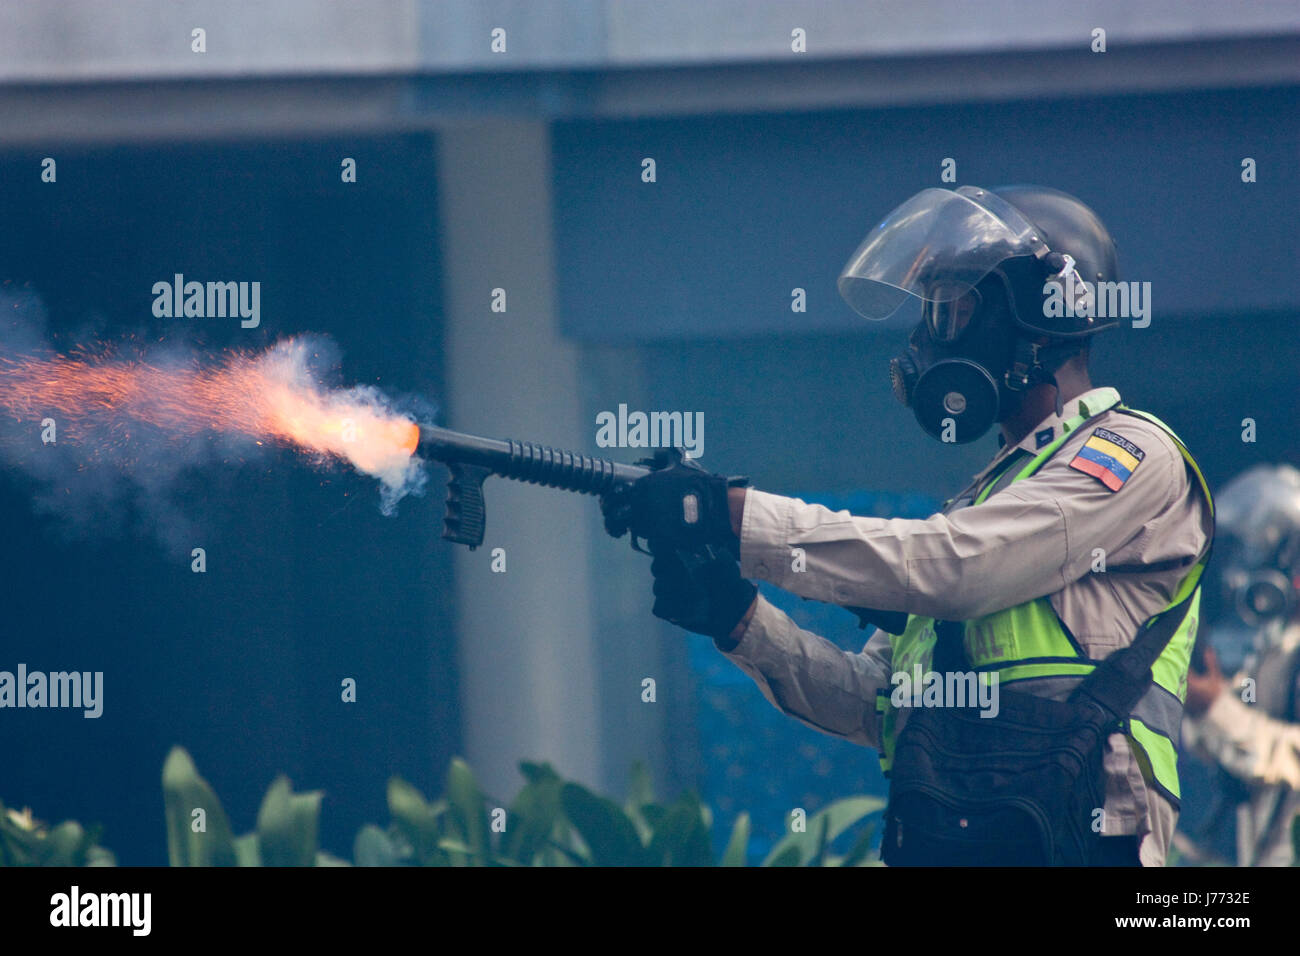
(1048, 430)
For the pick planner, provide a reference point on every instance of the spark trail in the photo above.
(271, 396)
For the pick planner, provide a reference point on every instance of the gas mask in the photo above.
(1248, 616)
(1252, 606)
(1257, 547)
(986, 277)
(954, 372)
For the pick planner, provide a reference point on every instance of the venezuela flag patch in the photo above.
(1109, 458)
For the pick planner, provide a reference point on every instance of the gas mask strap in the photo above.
(1035, 363)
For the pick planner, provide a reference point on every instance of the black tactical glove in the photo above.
(702, 592)
(679, 505)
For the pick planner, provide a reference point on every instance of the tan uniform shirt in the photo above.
(1039, 536)
(1254, 743)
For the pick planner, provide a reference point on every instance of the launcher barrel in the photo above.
(471, 458)
(526, 461)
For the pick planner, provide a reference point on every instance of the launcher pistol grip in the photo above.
(466, 514)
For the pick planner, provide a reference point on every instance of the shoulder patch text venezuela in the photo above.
(1109, 458)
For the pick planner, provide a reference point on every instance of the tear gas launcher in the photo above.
(471, 459)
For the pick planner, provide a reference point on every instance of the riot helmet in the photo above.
(1257, 557)
(1006, 280)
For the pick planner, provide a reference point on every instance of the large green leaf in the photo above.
(374, 847)
(417, 821)
(682, 838)
(819, 854)
(287, 825)
(246, 851)
(18, 843)
(467, 815)
(738, 845)
(65, 845)
(98, 856)
(532, 818)
(610, 836)
(184, 791)
(654, 814)
(784, 856)
(640, 792)
(27, 842)
(640, 786)
(821, 830)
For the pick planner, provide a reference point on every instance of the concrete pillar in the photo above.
(528, 673)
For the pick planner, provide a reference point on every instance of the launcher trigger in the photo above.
(466, 514)
(664, 458)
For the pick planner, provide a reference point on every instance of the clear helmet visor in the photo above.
(936, 246)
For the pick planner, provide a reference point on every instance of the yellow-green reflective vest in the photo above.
(1028, 642)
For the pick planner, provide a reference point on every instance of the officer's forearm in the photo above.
(939, 567)
(811, 679)
(773, 549)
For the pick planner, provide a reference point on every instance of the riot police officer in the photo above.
(1006, 581)
(1250, 727)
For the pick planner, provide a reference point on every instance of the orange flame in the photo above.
(269, 396)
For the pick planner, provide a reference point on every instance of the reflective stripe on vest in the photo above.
(1028, 641)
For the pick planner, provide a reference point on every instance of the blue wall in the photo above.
(747, 208)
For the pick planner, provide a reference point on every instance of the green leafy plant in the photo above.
(25, 841)
(553, 822)
(550, 822)
(199, 833)
(811, 846)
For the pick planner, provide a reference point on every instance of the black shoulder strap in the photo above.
(1118, 682)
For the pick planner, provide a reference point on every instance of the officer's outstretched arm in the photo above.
(1029, 540)
(1247, 742)
(812, 680)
